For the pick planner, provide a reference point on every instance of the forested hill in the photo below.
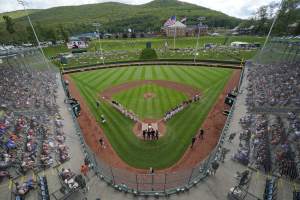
(114, 17)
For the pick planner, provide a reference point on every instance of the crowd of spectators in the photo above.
(274, 85)
(31, 136)
(71, 181)
(268, 145)
(23, 87)
(270, 138)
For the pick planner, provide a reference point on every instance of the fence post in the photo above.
(152, 180)
(137, 183)
(96, 168)
(190, 178)
(165, 181)
(112, 175)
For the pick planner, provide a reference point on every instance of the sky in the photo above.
(237, 8)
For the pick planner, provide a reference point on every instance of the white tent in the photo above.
(239, 44)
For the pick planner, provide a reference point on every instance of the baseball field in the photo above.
(150, 100)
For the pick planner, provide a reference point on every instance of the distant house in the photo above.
(182, 30)
(86, 36)
(178, 29)
(239, 44)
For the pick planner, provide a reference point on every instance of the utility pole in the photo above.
(97, 25)
(200, 19)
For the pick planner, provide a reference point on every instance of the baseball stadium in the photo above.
(186, 111)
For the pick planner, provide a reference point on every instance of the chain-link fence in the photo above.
(28, 82)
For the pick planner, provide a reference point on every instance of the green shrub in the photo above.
(148, 54)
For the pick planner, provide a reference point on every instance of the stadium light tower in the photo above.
(97, 25)
(22, 2)
(200, 19)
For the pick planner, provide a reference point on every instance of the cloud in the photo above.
(236, 8)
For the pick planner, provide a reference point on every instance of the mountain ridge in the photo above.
(117, 17)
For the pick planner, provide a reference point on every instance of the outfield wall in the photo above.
(206, 63)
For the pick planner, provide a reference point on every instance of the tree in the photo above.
(297, 29)
(51, 34)
(64, 33)
(148, 54)
(9, 24)
(30, 35)
(262, 17)
(288, 14)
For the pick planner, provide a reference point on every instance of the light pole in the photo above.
(200, 19)
(97, 25)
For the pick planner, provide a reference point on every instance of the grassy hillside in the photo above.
(180, 129)
(17, 14)
(117, 17)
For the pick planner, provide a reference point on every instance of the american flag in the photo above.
(170, 21)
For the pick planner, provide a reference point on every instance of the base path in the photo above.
(212, 125)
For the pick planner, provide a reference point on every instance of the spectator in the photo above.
(84, 169)
(97, 104)
(102, 119)
(101, 142)
(156, 134)
(201, 134)
(214, 167)
(193, 141)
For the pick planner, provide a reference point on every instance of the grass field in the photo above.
(180, 129)
(153, 108)
(181, 42)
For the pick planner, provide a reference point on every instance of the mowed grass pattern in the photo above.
(180, 129)
(150, 108)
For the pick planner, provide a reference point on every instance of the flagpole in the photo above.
(196, 50)
(197, 44)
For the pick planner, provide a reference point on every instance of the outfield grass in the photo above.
(180, 129)
(181, 42)
(153, 108)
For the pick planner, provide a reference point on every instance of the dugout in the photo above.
(75, 105)
(229, 101)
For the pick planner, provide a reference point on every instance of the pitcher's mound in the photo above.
(149, 95)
